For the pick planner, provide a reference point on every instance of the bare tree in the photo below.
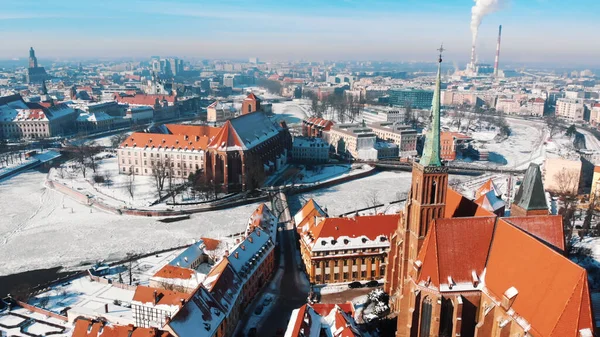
(554, 125)
(372, 200)
(130, 186)
(567, 182)
(160, 172)
(117, 140)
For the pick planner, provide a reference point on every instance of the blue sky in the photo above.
(564, 31)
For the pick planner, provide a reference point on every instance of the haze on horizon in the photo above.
(541, 31)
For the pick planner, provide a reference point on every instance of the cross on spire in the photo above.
(441, 50)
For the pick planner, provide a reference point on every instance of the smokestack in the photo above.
(498, 51)
(472, 64)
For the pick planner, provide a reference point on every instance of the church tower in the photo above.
(426, 202)
(429, 185)
(32, 59)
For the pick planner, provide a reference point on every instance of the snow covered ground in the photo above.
(117, 192)
(42, 228)
(292, 112)
(346, 197)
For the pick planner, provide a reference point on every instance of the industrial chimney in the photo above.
(472, 64)
(498, 52)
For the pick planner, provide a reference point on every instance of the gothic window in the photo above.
(433, 192)
(425, 326)
(446, 318)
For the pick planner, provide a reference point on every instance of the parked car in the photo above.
(354, 285)
(372, 284)
(258, 309)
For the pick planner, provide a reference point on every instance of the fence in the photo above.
(40, 311)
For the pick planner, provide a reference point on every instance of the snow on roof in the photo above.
(254, 128)
(313, 320)
(170, 300)
(199, 317)
(305, 218)
(350, 233)
(94, 117)
(249, 253)
(190, 255)
(264, 219)
(87, 328)
(224, 284)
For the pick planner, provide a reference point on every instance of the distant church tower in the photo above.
(32, 59)
(426, 202)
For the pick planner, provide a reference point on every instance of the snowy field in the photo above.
(292, 112)
(42, 228)
(115, 193)
(343, 198)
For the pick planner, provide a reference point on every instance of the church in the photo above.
(457, 268)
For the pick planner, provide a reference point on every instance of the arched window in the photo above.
(433, 193)
(446, 323)
(425, 326)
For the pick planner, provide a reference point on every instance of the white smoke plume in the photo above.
(480, 10)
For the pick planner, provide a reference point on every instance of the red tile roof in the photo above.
(486, 187)
(211, 244)
(553, 293)
(305, 218)
(145, 294)
(227, 137)
(455, 248)
(86, 328)
(370, 226)
(175, 272)
(144, 99)
(458, 206)
(548, 228)
(324, 309)
(183, 138)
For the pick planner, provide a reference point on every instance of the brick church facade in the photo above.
(455, 268)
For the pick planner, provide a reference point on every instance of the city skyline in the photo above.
(534, 30)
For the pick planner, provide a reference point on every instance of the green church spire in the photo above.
(431, 151)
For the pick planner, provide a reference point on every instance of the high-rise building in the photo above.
(419, 99)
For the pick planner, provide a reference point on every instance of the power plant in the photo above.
(498, 51)
(474, 68)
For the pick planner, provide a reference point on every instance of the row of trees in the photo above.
(335, 105)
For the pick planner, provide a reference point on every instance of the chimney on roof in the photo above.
(226, 253)
(509, 297)
(106, 308)
(155, 296)
(182, 300)
(475, 279)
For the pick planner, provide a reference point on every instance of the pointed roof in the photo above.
(486, 187)
(252, 96)
(431, 150)
(459, 206)
(305, 218)
(531, 195)
(490, 202)
(227, 139)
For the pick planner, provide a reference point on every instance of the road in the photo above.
(290, 283)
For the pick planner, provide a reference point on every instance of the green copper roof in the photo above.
(531, 195)
(431, 151)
